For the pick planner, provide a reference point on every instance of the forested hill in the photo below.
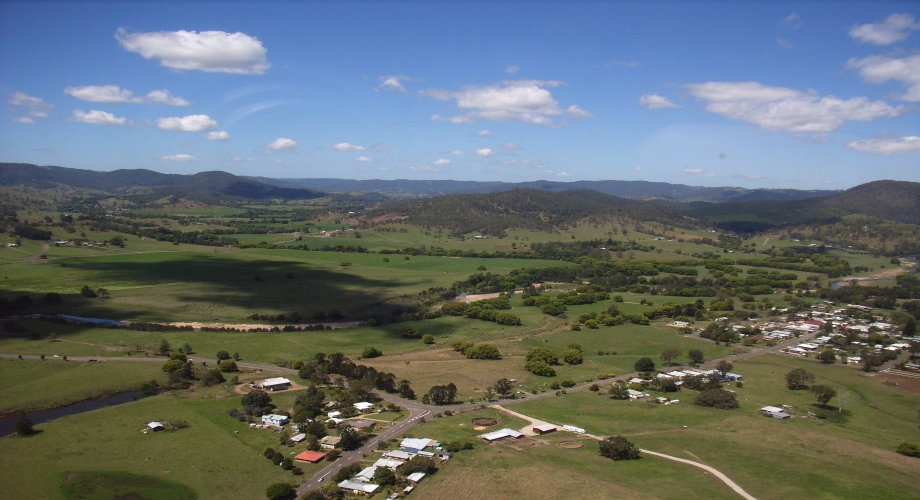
(897, 201)
(205, 186)
(625, 189)
(534, 209)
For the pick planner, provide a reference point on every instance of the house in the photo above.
(417, 443)
(732, 377)
(155, 426)
(415, 477)
(310, 456)
(356, 487)
(501, 434)
(636, 394)
(366, 475)
(274, 384)
(775, 412)
(361, 424)
(298, 438)
(399, 455)
(274, 419)
(334, 414)
(388, 463)
(545, 428)
(363, 406)
(330, 442)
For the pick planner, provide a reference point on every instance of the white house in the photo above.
(363, 406)
(356, 487)
(274, 419)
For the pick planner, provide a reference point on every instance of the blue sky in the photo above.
(808, 95)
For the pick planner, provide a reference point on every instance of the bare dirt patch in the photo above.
(570, 445)
(484, 422)
(906, 384)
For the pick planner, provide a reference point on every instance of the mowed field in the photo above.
(845, 456)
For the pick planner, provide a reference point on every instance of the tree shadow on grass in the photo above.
(258, 285)
(831, 413)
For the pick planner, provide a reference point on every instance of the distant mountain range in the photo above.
(624, 189)
(205, 186)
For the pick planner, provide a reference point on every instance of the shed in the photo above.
(298, 438)
(274, 384)
(545, 428)
(310, 456)
(415, 477)
(501, 434)
(156, 426)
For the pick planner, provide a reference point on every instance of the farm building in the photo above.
(155, 426)
(274, 384)
(310, 456)
(501, 434)
(415, 477)
(545, 428)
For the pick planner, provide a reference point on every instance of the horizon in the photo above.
(784, 95)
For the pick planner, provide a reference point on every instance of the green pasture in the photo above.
(33, 384)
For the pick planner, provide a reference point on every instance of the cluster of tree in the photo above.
(371, 352)
(540, 361)
(440, 395)
(486, 310)
(716, 398)
(160, 327)
(618, 448)
(364, 379)
(31, 232)
(476, 351)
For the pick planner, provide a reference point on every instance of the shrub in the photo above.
(567, 383)
(717, 398)
(279, 491)
(554, 385)
(540, 368)
(483, 351)
(228, 366)
(222, 355)
(594, 388)
(544, 355)
(572, 357)
(428, 338)
(909, 450)
(371, 352)
(410, 333)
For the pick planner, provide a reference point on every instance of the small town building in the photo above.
(310, 456)
(399, 455)
(544, 429)
(330, 442)
(356, 487)
(274, 384)
(417, 443)
(501, 434)
(388, 463)
(274, 419)
(415, 477)
(363, 406)
(366, 475)
(361, 424)
(299, 438)
(155, 426)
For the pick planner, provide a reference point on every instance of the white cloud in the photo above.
(282, 144)
(895, 28)
(562, 174)
(452, 119)
(190, 123)
(484, 133)
(655, 101)
(217, 136)
(528, 101)
(888, 145)
(392, 83)
(423, 168)
(240, 158)
(112, 94)
(637, 169)
(512, 69)
(785, 109)
(103, 93)
(577, 113)
(182, 158)
(485, 152)
(364, 158)
(164, 97)
(457, 152)
(793, 21)
(510, 145)
(96, 117)
(36, 106)
(880, 69)
(209, 51)
(441, 161)
(22, 119)
(344, 146)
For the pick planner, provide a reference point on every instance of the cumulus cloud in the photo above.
(364, 158)
(182, 158)
(880, 69)
(485, 152)
(190, 123)
(96, 117)
(452, 119)
(655, 101)
(209, 51)
(888, 145)
(22, 119)
(164, 97)
(217, 136)
(785, 109)
(528, 101)
(113, 94)
(784, 43)
(392, 83)
(512, 69)
(36, 107)
(240, 158)
(895, 28)
(441, 161)
(562, 174)
(282, 144)
(484, 133)
(344, 146)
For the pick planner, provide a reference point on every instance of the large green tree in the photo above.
(823, 393)
(618, 448)
(644, 365)
(799, 378)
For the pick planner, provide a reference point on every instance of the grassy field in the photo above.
(851, 457)
(537, 468)
(33, 384)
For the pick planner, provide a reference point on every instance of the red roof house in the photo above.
(310, 456)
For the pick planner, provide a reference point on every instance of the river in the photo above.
(8, 424)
